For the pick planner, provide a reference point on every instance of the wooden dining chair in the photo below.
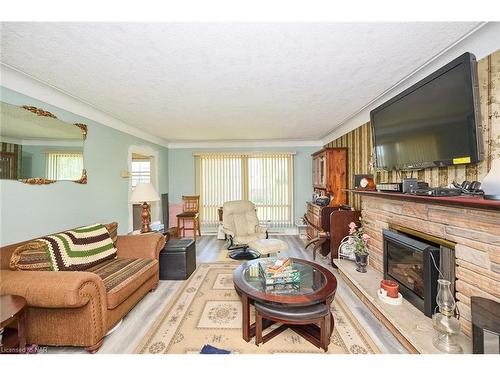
(190, 212)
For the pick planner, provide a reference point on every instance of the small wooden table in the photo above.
(317, 285)
(13, 308)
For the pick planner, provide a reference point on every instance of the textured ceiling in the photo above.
(202, 82)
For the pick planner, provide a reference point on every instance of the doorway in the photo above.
(142, 164)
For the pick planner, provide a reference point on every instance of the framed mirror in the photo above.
(38, 148)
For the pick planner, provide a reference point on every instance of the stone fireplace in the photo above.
(474, 232)
(410, 263)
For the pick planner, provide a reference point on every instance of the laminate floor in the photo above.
(136, 324)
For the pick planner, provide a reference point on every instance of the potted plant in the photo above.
(360, 248)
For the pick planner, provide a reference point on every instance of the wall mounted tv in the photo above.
(433, 123)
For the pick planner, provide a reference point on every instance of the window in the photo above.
(264, 179)
(270, 188)
(141, 171)
(64, 165)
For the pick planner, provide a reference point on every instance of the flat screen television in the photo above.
(433, 123)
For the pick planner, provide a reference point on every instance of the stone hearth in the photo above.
(476, 233)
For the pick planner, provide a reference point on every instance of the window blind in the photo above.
(220, 180)
(265, 179)
(64, 165)
(270, 188)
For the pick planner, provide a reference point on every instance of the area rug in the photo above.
(224, 257)
(207, 310)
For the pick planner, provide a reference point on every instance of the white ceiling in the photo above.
(207, 82)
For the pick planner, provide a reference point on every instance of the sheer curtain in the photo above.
(266, 179)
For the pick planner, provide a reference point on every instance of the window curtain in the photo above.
(266, 179)
(64, 165)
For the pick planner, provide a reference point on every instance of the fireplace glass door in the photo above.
(406, 266)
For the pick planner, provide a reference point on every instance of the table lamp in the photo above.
(144, 193)
(491, 183)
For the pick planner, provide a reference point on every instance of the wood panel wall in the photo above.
(359, 140)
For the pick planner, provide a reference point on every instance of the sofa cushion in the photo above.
(246, 239)
(31, 256)
(122, 276)
(113, 231)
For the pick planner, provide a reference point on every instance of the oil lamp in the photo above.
(445, 323)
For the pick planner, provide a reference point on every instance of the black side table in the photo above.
(178, 259)
(485, 315)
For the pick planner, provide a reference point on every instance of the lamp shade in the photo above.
(144, 192)
(491, 183)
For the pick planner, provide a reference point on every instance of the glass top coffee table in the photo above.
(317, 285)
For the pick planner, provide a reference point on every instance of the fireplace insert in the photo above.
(408, 261)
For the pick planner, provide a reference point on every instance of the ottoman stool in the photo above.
(267, 246)
(314, 323)
(178, 259)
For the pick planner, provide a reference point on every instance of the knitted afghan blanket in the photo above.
(80, 248)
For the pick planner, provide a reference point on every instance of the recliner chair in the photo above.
(241, 226)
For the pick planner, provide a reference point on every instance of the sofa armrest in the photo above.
(140, 246)
(51, 289)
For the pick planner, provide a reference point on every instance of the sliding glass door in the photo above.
(266, 179)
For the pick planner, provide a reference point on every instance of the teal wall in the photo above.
(181, 167)
(28, 211)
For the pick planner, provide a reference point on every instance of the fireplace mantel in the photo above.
(460, 201)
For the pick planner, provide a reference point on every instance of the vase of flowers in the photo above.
(360, 248)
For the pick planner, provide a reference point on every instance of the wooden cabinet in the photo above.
(329, 171)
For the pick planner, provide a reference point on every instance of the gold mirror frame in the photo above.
(44, 181)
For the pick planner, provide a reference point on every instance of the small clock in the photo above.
(364, 182)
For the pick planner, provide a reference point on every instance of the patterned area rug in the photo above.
(224, 257)
(207, 310)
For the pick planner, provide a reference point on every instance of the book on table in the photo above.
(278, 272)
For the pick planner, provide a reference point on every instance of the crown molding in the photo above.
(26, 84)
(251, 143)
(481, 41)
